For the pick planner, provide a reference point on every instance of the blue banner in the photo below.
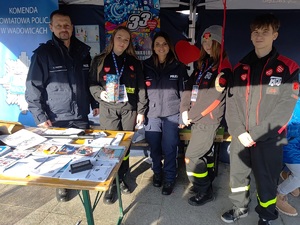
(24, 24)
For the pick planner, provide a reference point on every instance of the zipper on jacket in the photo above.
(261, 87)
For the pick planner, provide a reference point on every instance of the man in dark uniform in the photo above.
(57, 88)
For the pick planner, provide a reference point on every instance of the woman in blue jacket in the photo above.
(164, 77)
(291, 157)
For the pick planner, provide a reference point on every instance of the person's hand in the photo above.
(181, 126)
(185, 118)
(96, 112)
(246, 139)
(140, 119)
(103, 96)
(45, 124)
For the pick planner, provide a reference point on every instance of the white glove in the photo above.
(103, 96)
(185, 118)
(246, 139)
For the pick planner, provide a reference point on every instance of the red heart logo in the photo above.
(152, 24)
(186, 52)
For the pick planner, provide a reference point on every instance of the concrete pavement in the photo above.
(31, 205)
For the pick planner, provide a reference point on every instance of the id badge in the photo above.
(194, 93)
(123, 97)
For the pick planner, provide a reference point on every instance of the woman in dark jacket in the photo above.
(164, 77)
(127, 109)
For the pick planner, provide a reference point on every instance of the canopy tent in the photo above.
(206, 13)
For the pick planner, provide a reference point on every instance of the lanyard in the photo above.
(201, 72)
(116, 65)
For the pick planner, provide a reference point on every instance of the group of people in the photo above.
(258, 96)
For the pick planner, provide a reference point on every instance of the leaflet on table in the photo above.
(99, 173)
(99, 142)
(45, 148)
(4, 149)
(83, 150)
(22, 167)
(110, 153)
(51, 165)
(22, 139)
(10, 159)
(68, 131)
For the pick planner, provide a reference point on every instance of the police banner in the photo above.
(140, 16)
(24, 24)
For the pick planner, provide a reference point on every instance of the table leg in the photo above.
(88, 207)
(120, 199)
(216, 157)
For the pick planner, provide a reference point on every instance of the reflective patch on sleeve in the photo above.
(130, 90)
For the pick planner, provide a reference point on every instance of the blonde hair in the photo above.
(129, 50)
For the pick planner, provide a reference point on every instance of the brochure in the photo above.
(4, 149)
(22, 139)
(86, 150)
(110, 153)
(51, 165)
(23, 167)
(67, 149)
(100, 142)
(112, 87)
(99, 173)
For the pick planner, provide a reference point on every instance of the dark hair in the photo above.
(171, 54)
(264, 21)
(60, 13)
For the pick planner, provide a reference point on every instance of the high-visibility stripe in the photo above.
(210, 165)
(126, 157)
(210, 108)
(198, 175)
(240, 189)
(266, 204)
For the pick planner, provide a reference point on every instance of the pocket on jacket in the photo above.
(59, 102)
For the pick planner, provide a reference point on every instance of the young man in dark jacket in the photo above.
(57, 88)
(259, 105)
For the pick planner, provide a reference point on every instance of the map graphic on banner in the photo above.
(140, 16)
(23, 26)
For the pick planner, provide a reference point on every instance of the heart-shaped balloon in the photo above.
(186, 52)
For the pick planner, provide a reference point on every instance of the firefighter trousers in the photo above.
(199, 165)
(118, 119)
(265, 160)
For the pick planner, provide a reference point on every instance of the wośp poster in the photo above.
(140, 16)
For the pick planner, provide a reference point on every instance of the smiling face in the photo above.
(262, 38)
(62, 27)
(161, 48)
(121, 41)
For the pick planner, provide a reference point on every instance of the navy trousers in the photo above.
(162, 134)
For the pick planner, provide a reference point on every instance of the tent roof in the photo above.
(211, 4)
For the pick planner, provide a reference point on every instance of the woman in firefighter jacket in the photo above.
(119, 69)
(164, 77)
(202, 107)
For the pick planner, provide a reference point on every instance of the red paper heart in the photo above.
(186, 52)
(152, 24)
